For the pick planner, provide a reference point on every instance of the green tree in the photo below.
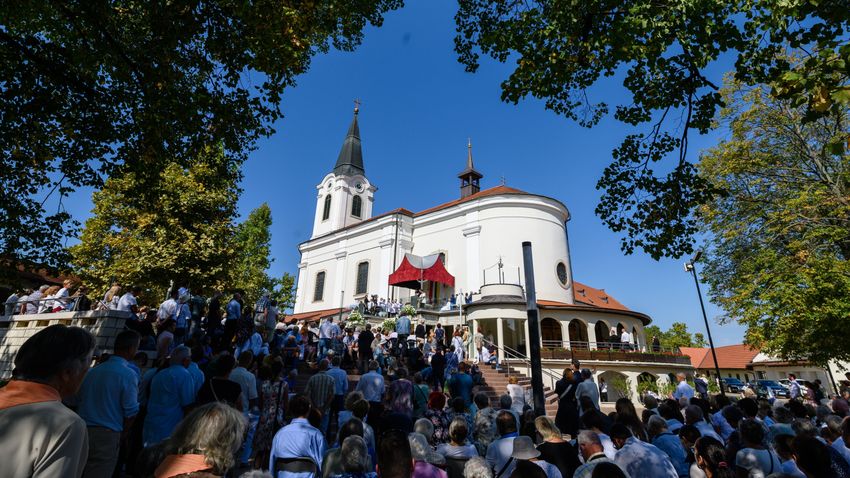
(676, 336)
(664, 51)
(182, 234)
(780, 233)
(284, 291)
(252, 242)
(92, 89)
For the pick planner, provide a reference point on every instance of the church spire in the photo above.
(350, 160)
(469, 177)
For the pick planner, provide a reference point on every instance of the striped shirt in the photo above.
(320, 390)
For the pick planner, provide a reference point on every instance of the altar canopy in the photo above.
(415, 269)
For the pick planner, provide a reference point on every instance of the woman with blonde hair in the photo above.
(112, 296)
(205, 442)
(554, 448)
(50, 296)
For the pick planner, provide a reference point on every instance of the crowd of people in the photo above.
(47, 299)
(224, 398)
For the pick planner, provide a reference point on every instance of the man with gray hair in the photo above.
(669, 444)
(590, 447)
(34, 300)
(172, 390)
(40, 436)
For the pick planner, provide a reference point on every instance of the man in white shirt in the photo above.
(34, 299)
(626, 340)
(793, 387)
(587, 388)
(639, 458)
(499, 452)
(168, 309)
(128, 301)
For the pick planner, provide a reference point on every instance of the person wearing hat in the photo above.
(425, 458)
(525, 452)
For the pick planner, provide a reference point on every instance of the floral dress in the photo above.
(440, 420)
(272, 396)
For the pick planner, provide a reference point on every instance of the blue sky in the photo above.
(418, 108)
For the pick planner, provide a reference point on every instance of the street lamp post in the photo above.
(690, 267)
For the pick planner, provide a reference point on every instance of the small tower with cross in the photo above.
(470, 179)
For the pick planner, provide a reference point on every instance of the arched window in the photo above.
(603, 335)
(356, 206)
(550, 331)
(362, 278)
(578, 334)
(319, 291)
(326, 212)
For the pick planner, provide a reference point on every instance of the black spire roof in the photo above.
(350, 160)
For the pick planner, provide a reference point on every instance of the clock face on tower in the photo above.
(359, 187)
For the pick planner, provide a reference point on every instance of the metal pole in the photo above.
(831, 378)
(533, 331)
(693, 270)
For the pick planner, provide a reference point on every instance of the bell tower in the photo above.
(345, 195)
(469, 177)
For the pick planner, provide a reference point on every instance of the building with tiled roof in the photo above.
(734, 360)
(467, 251)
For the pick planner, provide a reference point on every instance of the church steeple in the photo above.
(469, 177)
(350, 160)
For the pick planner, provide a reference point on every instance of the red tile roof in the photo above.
(487, 192)
(697, 354)
(587, 295)
(728, 357)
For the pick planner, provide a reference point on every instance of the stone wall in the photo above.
(15, 330)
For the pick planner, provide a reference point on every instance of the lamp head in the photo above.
(689, 266)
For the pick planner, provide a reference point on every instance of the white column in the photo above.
(301, 288)
(472, 233)
(591, 337)
(337, 298)
(385, 268)
(565, 333)
(500, 338)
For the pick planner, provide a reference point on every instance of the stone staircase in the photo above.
(496, 382)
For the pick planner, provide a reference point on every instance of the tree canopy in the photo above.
(663, 50)
(780, 232)
(182, 230)
(252, 242)
(90, 90)
(676, 336)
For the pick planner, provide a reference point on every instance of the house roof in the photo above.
(314, 315)
(584, 294)
(697, 354)
(728, 357)
(494, 191)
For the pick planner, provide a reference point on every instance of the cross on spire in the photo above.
(356, 105)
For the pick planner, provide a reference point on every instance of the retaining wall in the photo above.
(15, 330)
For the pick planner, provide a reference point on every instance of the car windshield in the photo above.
(733, 381)
(769, 383)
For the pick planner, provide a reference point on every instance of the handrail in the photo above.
(586, 345)
(515, 355)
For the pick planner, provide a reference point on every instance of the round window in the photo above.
(561, 269)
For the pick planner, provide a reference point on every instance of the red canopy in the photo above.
(415, 269)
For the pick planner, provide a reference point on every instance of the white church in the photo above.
(470, 245)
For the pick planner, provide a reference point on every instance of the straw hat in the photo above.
(524, 448)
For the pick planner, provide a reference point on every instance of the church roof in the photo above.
(350, 160)
(587, 295)
(487, 192)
